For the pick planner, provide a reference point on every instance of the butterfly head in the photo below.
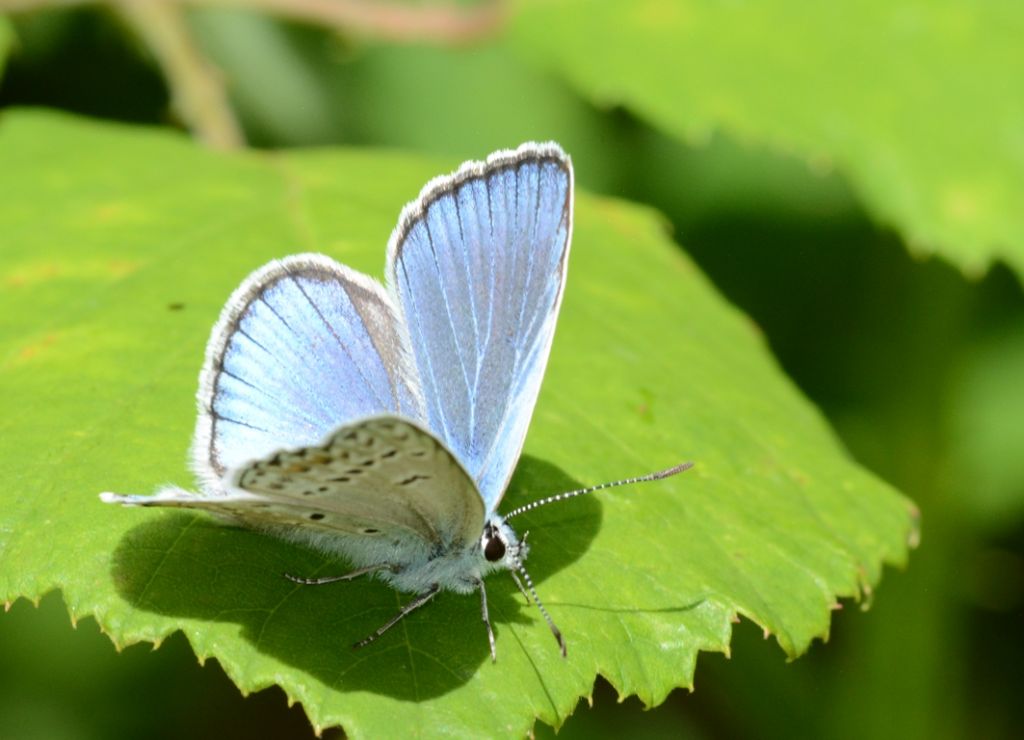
(500, 548)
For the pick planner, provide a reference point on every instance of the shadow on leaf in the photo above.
(192, 566)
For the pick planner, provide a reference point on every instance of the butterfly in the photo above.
(383, 424)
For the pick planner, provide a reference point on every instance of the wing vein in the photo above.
(221, 417)
(341, 344)
(448, 311)
(530, 252)
(472, 302)
(439, 408)
(494, 272)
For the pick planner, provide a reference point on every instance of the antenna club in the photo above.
(668, 472)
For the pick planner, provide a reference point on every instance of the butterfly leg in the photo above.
(413, 605)
(334, 579)
(487, 619)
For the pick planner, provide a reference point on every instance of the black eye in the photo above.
(494, 550)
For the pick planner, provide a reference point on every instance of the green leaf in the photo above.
(985, 411)
(917, 103)
(120, 246)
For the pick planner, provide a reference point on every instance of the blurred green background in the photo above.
(919, 367)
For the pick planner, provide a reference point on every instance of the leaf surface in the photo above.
(119, 247)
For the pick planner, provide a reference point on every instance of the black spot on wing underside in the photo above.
(413, 479)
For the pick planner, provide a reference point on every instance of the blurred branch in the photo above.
(387, 19)
(197, 90)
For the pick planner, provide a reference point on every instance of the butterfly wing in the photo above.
(304, 345)
(478, 266)
(380, 490)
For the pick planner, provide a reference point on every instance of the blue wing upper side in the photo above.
(478, 266)
(303, 346)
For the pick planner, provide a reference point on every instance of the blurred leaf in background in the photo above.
(917, 103)
(6, 41)
(986, 414)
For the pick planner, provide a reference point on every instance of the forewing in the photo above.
(478, 265)
(379, 490)
(304, 345)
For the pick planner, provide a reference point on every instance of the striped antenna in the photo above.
(536, 600)
(625, 482)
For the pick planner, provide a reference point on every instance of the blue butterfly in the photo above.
(384, 424)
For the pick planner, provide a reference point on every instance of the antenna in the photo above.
(536, 599)
(570, 494)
